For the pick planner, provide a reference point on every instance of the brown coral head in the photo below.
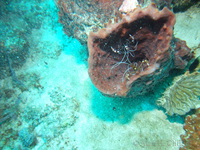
(191, 139)
(124, 52)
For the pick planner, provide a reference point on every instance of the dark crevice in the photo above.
(118, 39)
(129, 43)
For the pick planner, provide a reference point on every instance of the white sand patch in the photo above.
(187, 27)
(148, 130)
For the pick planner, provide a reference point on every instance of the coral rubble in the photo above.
(182, 95)
(191, 139)
(130, 57)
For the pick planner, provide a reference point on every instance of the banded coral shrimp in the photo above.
(128, 56)
(126, 50)
(134, 68)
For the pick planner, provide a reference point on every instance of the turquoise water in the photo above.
(47, 100)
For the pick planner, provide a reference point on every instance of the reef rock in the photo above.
(129, 57)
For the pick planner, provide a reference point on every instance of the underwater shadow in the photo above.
(122, 110)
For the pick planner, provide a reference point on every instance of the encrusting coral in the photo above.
(128, 58)
(182, 95)
(191, 139)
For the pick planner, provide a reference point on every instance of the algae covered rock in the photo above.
(182, 95)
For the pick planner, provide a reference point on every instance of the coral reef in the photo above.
(61, 107)
(182, 95)
(176, 5)
(79, 17)
(191, 139)
(130, 57)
